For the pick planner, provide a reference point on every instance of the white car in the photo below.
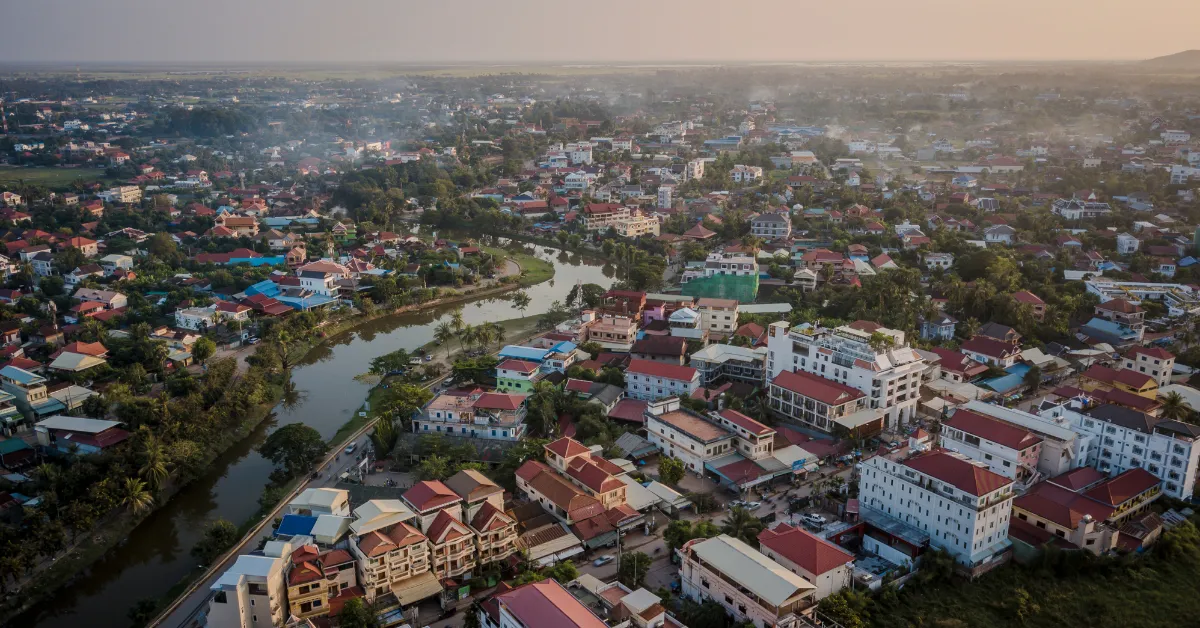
(751, 505)
(814, 519)
(349, 449)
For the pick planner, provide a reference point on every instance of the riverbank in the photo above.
(110, 533)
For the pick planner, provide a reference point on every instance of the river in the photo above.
(157, 554)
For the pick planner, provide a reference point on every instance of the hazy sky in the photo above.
(572, 30)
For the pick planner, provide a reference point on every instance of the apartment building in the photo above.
(320, 583)
(648, 380)
(748, 585)
(616, 333)
(827, 566)
(494, 416)
(1006, 449)
(962, 506)
(392, 556)
(252, 593)
(718, 316)
(1127, 439)
(688, 436)
(637, 225)
(483, 510)
(771, 226)
(818, 403)
(1084, 507)
(668, 349)
(314, 502)
(597, 216)
(452, 544)
(1154, 362)
(890, 376)
(719, 363)
(427, 499)
(537, 604)
(595, 475)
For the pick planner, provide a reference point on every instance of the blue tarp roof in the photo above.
(1110, 328)
(1187, 261)
(265, 287)
(524, 353)
(1015, 379)
(565, 346)
(293, 525)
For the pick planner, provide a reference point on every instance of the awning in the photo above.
(416, 588)
(858, 419)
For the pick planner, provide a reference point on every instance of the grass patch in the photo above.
(534, 270)
(56, 178)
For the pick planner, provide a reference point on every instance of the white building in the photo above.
(961, 505)
(1062, 448)
(1127, 244)
(890, 377)
(1174, 136)
(666, 196)
(718, 316)
(938, 260)
(746, 174)
(1006, 449)
(650, 380)
(252, 593)
(827, 566)
(1127, 439)
(748, 585)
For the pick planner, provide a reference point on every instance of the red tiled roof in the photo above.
(1078, 479)
(987, 428)
(631, 410)
(1124, 487)
(490, 518)
(745, 422)
(567, 448)
(816, 387)
(592, 476)
(430, 494)
(520, 366)
(808, 551)
(661, 369)
(990, 347)
(1026, 296)
(956, 362)
(446, 527)
(1152, 352)
(1119, 305)
(498, 401)
(975, 480)
(547, 603)
(1061, 506)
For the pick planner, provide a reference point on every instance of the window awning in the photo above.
(416, 588)
(857, 419)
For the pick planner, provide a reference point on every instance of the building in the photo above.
(938, 327)
(636, 226)
(1127, 244)
(722, 276)
(483, 509)
(613, 332)
(544, 604)
(597, 216)
(943, 261)
(772, 226)
(719, 363)
(252, 593)
(718, 316)
(1124, 439)
(1061, 450)
(29, 392)
(960, 504)
(517, 376)
(319, 584)
(1077, 209)
(815, 402)
(991, 351)
(1006, 449)
(877, 363)
(1084, 507)
(688, 436)
(78, 435)
(123, 194)
(649, 380)
(495, 416)
(1154, 362)
(827, 566)
(669, 349)
(748, 585)
(1180, 299)
(1035, 303)
(314, 502)
(392, 556)
(746, 174)
(240, 225)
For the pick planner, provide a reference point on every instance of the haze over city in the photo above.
(432, 31)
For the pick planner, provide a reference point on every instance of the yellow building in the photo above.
(319, 584)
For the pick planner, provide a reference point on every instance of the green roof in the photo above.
(12, 446)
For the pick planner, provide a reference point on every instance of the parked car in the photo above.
(602, 561)
(813, 518)
(350, 448)
(252, 341)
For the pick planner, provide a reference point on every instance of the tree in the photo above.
(434, 468)
(1174, 407)
(203, 349)
(154, 463)
(742, 524)
(295, 447)
(709, 614)
(521, 301)
(633, 569)
(355, 614)
(670, 470)
(443, 334)
(681, 531)
(135, 497)
(218, 537)
(1033, 377)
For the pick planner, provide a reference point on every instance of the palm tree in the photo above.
(466, 335)
(154, 463)
(456, 319)
(742, 524)
(135, 497)
(443, 333)
(498, 333)
(1174, 407)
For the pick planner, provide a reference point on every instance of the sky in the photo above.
(571, 31)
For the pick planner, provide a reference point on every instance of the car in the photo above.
(252, 341)
(814, 519)
(350, 449)
(429, 358)
(602, 561)
(751, 505)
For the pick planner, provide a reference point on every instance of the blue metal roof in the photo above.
(565, 346)
(266, 288)
(21, 376)
(524, 353)
(293, 525)
(304, 303)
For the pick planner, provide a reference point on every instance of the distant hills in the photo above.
(1188, 59)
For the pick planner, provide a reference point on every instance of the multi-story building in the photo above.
(719, 363)
(827, 566)
(687, 436)
(1083, 507)
(772, 226)
(748, 585)
(597, 216)
(1006, 449)
(1155, 362)
(694, 169)
(669, 349)
(878, 363)
(1180, 299)
(718, 316)
(537, 605)
(819, 403)
(666, 194)
(252, 593)
(613, 332)
(517, 376)
(392, 555)
(314, 502)
(595, 475)
(722, 276)
(961, 505)
(29, 392)
(648, 380)
(1127, 439)
(745, 174)
(320, 583)
(637, 225)
(427, 499)
(452, 544)
(496, 416)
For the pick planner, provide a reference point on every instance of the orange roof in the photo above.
(810, 552)
(567, 448)
(430, 494)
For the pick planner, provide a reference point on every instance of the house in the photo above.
(719, 363)
(315, 502)
(115, 262)
(1155, 362)
(940, 326)
(814, 402)
(943, 261)
(991, 351)
(320, 583)
(1098, 376)
(493, 416)
(536, 604)
(827, 566)
(239, 225)
(392, 555)
(67, 434)
(650, 380)
(517, 376)
(771, 226)
(999, 234)
(1037, 305)
(75, 277)
(718, 316)
(1085, 508)
(669, 349)
(958, 505)
(1127, 244)
(749, 586)
(87, 246)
